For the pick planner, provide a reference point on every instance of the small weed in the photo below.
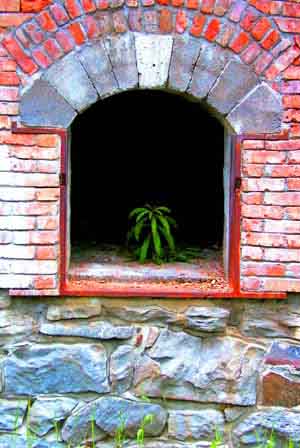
(140, 435)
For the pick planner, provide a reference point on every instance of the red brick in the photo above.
(262, 62)
(65, 40)
(280, 254)
(276, 8)
(291, 9)
(198, 25)
(192, 4)
(282, 170)
(270, 40)
(293, 270)
(88, 5)
(292, 212)
(9, 108)
(46, 140)
(46, 21)
(212, 30)
(104, 4)
(291, 101)
(43, 237)
(261, 5)
(237, 11)
(221, 7)
(9, 5)
(252, 253)
(264, 157)
(59, 14)
(263, 184)
(181, 22)
(295, 130)
(252, 198)
(253, 170)
(177, 3)
(290, 87)
(263, 269)
(261, 28)
(47, 194)
(251, 284)
(291, 72)
(46, 253)
(294, 157)
(135, 18)
(47, 223)
(9, 79)
(77, 32)
(7, 65)
(119, 22)
(9, 93)
(34, 5)
(291, 115)
(43, 282)
(288, 25)
(23, 39)
(53, 49)
(283, 45)
(240, 42)
(284, 226)
(41, 58)
(248, 20)
(281, 284)
(163, 2)
(264, 239)
(132, 3)
(251, 53)
(225, 35)
(286, 198)
(104, 21)
(5, 122)
(34, 32)
(92, 27)
(283, 145)
(253, 144)
(207, 6)
(263, 211)
(165, 21)
(252, 225)
(73, 8)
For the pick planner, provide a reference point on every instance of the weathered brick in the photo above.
(263, 211)
(18, 252)
(7, 65)
(9, 108)
(9, 79)
(165, 21)
(47, 222)
(46, 21)
(253, 170)
(252, 225)
(270, 40)
(263, 184)
(46, 253)
(263, 269)
(88, 5)
(119, 22)
(212, 30)
(252, 198)
(34, 31)
(252, 253)
(9, 5)
(77, 32)
(41, 58)
(24, 61)
(181, 22)
(264, 156)
(34, 5)
(262, 62)
(283, 145)
(251, 284)
(286, 198)
(279, 254)
(282, 170)
(237, 11)
(43, 282)
(52, 48)
(264, 239)
(198, 25)
(59, 14)
(135, 17)
(221, 7)
(29, 180)
(251, 53)
(240, 42)
(47, 194)
(284, 226)
(249, 20)
(207, 6)
(65, 40)
(17, 223)
(261, 28)
(73, 8)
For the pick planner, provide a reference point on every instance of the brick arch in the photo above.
(133, 60)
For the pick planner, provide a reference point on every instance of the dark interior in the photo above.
(146, 146)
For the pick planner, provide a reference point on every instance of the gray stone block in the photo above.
(212, 60)
(259, 112)
(196, 425)
(72, 82)
(33, 369)
(94, 329)
(12, 414)
(122, 363)
(74, 309)
(42, 105)
(45, 411)
(234, 83)
(121, 51)
(98, 66)
(184, 57)
(206, 319)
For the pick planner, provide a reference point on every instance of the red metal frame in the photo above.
(94, 288)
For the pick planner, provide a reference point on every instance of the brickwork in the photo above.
(259, 41)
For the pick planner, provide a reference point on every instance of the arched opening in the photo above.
(144, 147)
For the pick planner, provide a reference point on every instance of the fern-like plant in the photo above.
(151, 230)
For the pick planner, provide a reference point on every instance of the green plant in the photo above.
(152, 233)
(120, 432)
(217, 439)
(140, 435)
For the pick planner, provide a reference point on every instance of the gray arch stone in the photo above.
(117, 63)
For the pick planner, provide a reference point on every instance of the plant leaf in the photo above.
(136, 211)
(142, 215)
(144, 249)
(156, 237)
(167, 232)
(138, 228)
(164, 209)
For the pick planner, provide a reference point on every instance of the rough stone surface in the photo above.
(153, 54)
(278, 390)
(211, 61)
(197, 425)
(91, 329)
(221, 370)
(259, 112)
(32, 369)
(256, 427)
(74, 309)
(13, 322)
(96, 62)
(45, 411)
(12, 414)
(206, 319)
(233, 413)
(121, 51)
(271, 321)
(109, 413)
(184, 57)
(143, 314)
(122, 363)
(42, 105)
(284, 353)
(72, 82)
(234, 83)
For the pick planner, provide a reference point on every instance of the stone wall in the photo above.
(194, 365)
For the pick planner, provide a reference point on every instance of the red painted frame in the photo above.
(67, 288)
